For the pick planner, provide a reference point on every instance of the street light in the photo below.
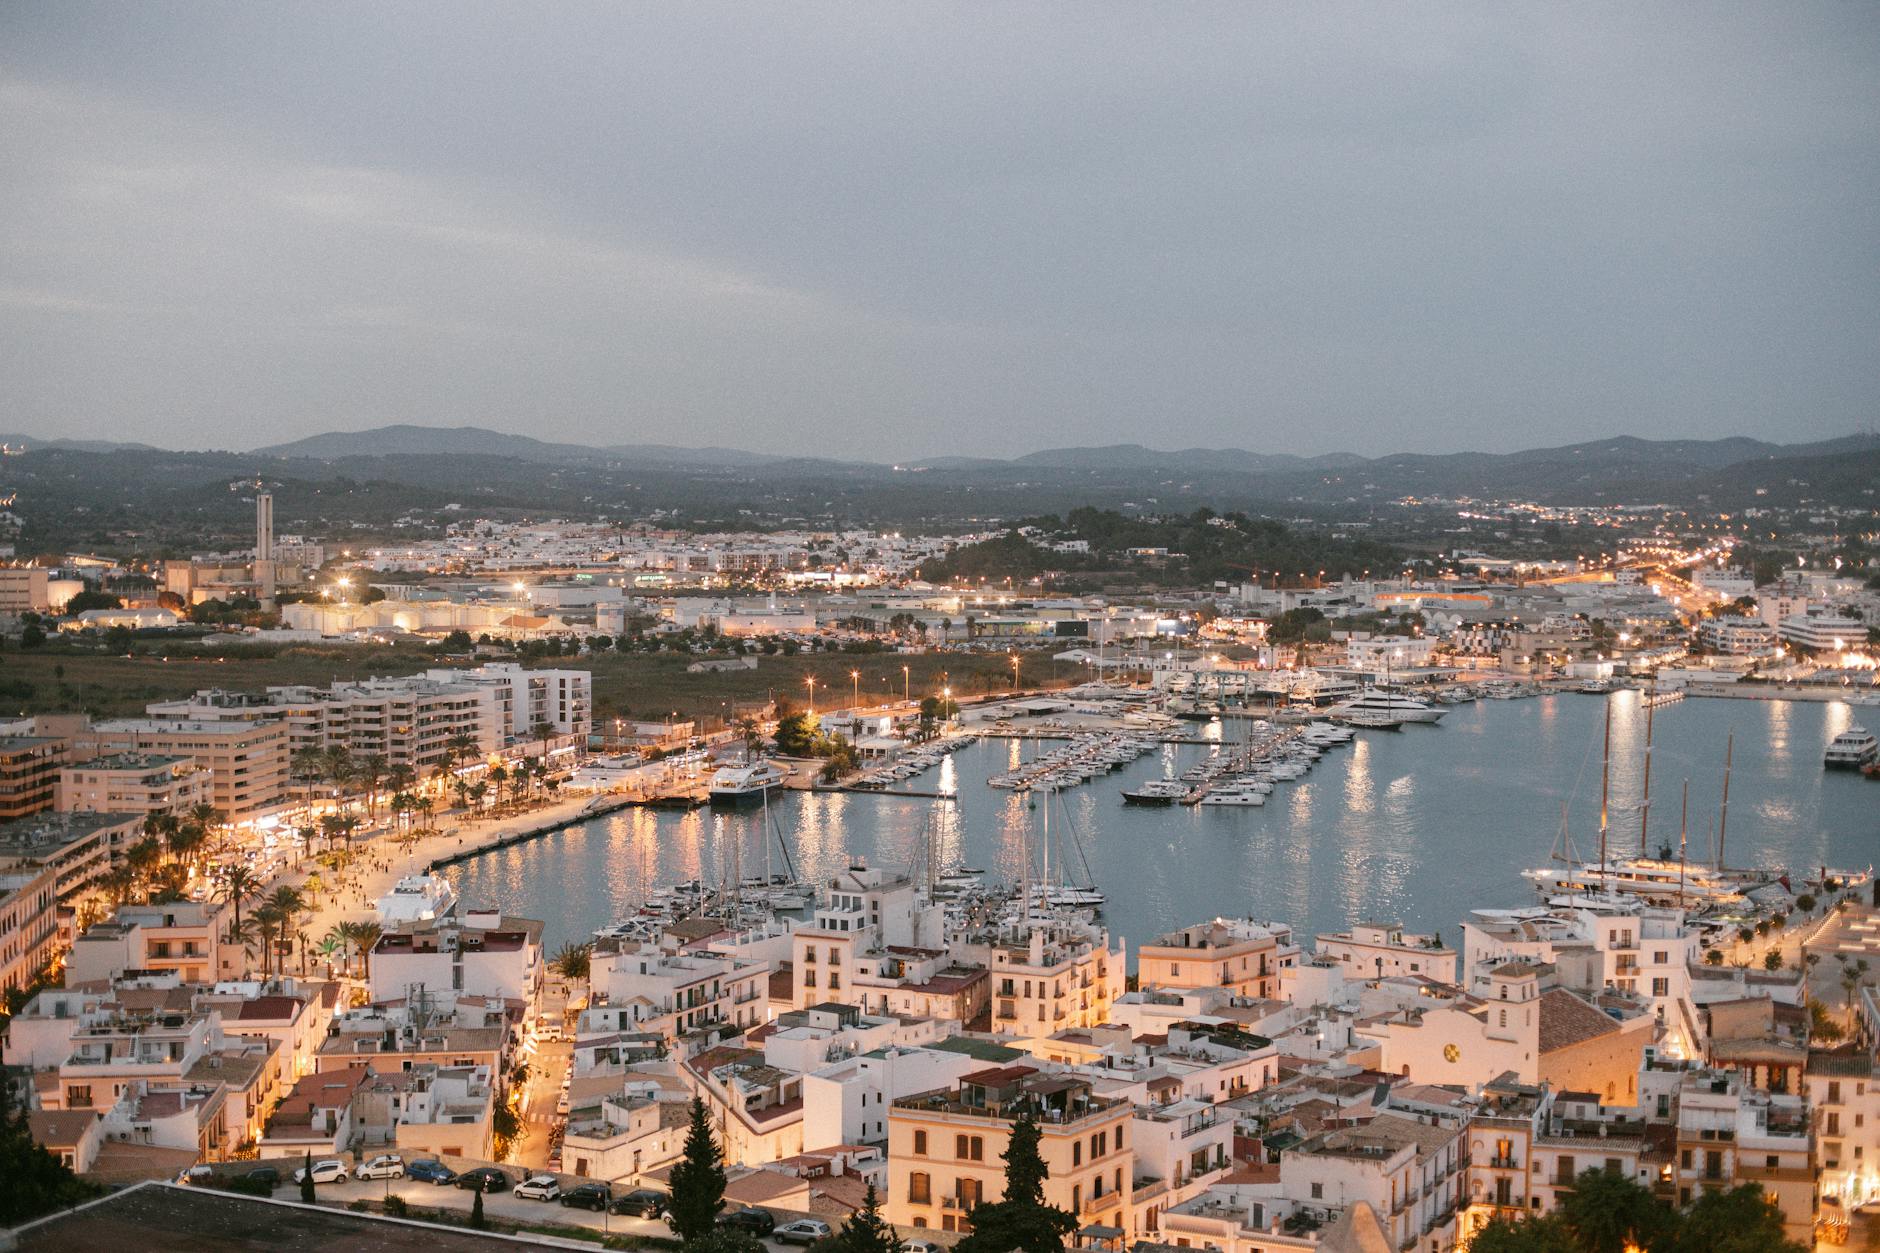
(855, 681)
(906, 696)
(811, 681)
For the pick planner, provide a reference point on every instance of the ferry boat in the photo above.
(417, 898)
(744, 785)
(1853, 749)
(1402, 708)
(1155, 792)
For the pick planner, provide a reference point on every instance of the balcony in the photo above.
(1500, 1162)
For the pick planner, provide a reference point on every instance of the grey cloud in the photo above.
(906, 230)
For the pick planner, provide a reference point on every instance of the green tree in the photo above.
(37, 1183)
(698, 1181)
(476, 1211)
(1741, 1220)
(798, 734)
(867, 1231)
(306, 1181)
(1608, 1213)
(1021, 1220)
(1527, 1235)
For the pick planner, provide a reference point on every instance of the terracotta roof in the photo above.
(273, 1007)
(1567, 1020)
(60, 1128)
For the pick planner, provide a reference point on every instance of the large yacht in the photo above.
(1654, 880)
(1852, 749)
(744, 785)
(1156, 792)
(417, 898)
(1393, 704)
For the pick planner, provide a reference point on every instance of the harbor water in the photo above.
(1418, 825)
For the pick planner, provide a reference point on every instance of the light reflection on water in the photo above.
(1420, 824)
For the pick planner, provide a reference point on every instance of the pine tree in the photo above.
(36, 1182)
(306, 1181)
(867, 1231)
(476, 1210)
(1021, 1220)
(698, 1181)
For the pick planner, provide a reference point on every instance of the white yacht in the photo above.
(1655, 880)
(1396, 705)
(1236, 798)
(1155, 792)
(1852, 749)
(744, 785)
(417, 898)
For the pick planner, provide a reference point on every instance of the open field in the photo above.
(644, 686)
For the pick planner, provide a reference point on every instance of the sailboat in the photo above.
(1640, 877)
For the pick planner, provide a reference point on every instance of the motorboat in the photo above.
(744, 785)
(1853, 749)
(1156, 792)
(1403, 708)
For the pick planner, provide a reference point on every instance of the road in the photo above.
(501, 1205)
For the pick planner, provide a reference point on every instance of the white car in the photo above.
(332, 1170)
(539, 1187)
(920, 1246)
(805, 1231)
(384, 1166)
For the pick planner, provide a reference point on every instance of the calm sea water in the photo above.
(1420, 825)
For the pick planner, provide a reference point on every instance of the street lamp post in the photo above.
(811, 682)
(855, 679)
(906, 691)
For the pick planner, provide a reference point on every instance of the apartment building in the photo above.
(29, 924)
(945, 1148)
(77, 848)
(1629, 948)
(1060, 975)
(1842, 1091)
(1378, 950)
(529, 699)
(29, 773)
(133, 783)
(626, 1135)
(182, 936)
(673, 994)
(1739, 637)
(1729, 1134)
(1238, 954)
(408, 721)
(483, 954)
(421, 1031)
(24, 589)
(246, 762)
(1407, 1171)
(847, 953)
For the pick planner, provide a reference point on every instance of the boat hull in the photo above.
(740, 799)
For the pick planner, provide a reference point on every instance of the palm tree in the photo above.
(401, 805)
(268, 923)
(238, 882)
(365, 939)
(338, 761)
(1853, 974)
(308, 767)
(497, 777)
(372, 769)
(477, 791)
(400, 778)
(460, 747)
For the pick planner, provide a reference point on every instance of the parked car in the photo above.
(539, 1188)
(594, 1196)
(748, 1218)
(384, 1166)
(430, 1170)
(920, 1246)
(483, 1179)
(269, 1175)
(332, 1170)
(642, 1203)
(195, 1176)
(804, 1231)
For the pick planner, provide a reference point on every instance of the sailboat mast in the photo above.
(1723, 819)
(1645, 806)
(1684, 817)
(1605, 789)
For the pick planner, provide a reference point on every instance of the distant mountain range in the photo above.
(477, 441)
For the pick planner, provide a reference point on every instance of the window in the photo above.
(1834, 1091)
(969, 1192)
(920, 1144)
(1661, 987)
(1077, 1152)
(1318, 1191)
(1504, 1017)
(919, 1188)
(1174, 970)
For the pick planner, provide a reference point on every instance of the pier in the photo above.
(598, 809)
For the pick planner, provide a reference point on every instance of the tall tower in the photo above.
(264, 546)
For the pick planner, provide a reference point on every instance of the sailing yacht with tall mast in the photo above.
(1640, 877)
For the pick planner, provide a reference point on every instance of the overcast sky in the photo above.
(884, 230)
